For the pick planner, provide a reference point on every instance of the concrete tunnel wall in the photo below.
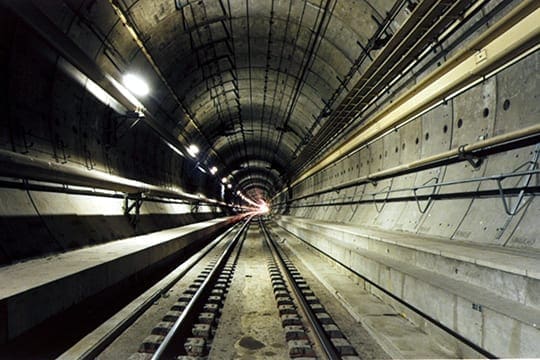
(50, 114)
(401, 246)
(506, 102)
(37, 223)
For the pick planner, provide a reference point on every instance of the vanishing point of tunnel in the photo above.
(269, 179)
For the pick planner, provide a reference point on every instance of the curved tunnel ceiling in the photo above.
(254, 76)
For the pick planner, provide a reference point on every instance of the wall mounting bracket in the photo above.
(132, 208)
(475, 161)
(430, 197)
(520, 204)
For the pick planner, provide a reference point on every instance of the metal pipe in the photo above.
(498, 178)
(124, 19)
(514, 192)
(68, 49)
(512, 35)
(449, 97)
(505, 141)
(27, 167)
(533, 164)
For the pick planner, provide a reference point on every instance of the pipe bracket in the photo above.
(475, 161)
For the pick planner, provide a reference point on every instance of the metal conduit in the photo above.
(27, 167)
(504, 142)
(511, 36)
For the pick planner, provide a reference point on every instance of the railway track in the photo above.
(196, 313)
(309, 329)
(187, 322)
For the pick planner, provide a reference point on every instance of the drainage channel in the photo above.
(310, 331)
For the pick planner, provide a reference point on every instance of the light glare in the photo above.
(136, 85)
(213, 170)
(263, 208)
(193, 150)
(224, 180)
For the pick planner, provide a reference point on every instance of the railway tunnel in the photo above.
(269, 179)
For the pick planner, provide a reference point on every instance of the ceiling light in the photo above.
(136, 85)
(193, 150)
(201, 169)
(213, 170)
(224, 180)
(229, 186)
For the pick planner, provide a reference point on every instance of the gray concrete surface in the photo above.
(457, 291)
(37, 289)
(390, 328)
(248, 83)
(250, 325)
(38, 224)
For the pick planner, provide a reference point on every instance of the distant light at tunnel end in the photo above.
(263, 208)
(136, 85)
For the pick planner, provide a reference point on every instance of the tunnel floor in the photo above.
(251, 319)
(249, 324)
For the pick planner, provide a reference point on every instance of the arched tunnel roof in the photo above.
(249, 80)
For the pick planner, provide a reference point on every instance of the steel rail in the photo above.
(166, 347)
(320, 336)
(94, 343)
(408, 305)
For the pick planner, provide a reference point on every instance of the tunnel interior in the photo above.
(398, 137)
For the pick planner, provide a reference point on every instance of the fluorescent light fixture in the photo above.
(224, 180)
(201, 169)
(193, 150)
(175, 149)
(213, 170)
(136, 85)
(229, 186)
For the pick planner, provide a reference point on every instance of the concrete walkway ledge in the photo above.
(489, 295)
(35, 290)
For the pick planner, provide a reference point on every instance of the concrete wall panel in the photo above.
(526, 233)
